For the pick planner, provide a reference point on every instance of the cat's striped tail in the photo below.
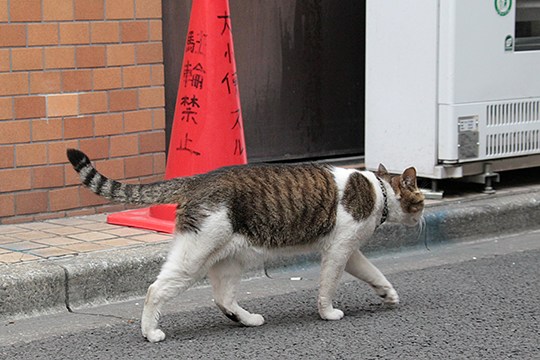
(145, 194)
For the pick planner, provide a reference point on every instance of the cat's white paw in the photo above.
(388, 294)
(391, 298)
(253, 320)
(155, 336)
(332, 314)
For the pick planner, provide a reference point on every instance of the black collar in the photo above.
(384, 215)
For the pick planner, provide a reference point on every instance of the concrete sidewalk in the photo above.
(62, 264)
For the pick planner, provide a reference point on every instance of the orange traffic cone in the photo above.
(207, 131)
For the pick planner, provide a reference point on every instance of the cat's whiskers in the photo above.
(422, 231)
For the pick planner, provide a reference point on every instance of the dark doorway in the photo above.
(301, 68)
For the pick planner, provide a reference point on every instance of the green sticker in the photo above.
(503, 6)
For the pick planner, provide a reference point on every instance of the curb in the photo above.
(51, 286)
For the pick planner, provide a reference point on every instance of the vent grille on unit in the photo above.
(513, 128)
(513, 113)
(515, 142)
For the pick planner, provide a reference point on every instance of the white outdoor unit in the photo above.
(453, 86)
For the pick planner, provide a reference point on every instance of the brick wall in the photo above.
(86, 74)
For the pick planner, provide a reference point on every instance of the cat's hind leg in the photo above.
(189, 259)
(180, 271)
(224, 277)
(360, 267)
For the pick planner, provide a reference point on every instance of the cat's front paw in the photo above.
(154, 336)
(331, 314)
(388, 294)
(391, 298)
(252, 320)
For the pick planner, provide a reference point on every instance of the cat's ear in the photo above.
(408, 178)
(382, 172)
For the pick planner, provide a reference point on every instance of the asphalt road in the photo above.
(465, 301)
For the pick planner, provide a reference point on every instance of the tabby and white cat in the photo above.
(228, 216)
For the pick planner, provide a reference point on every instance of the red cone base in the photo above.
(158, 218)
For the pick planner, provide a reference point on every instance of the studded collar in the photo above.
(384, 215)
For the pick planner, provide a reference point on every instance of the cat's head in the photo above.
(406, 194)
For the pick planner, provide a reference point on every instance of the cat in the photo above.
(226, 217)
